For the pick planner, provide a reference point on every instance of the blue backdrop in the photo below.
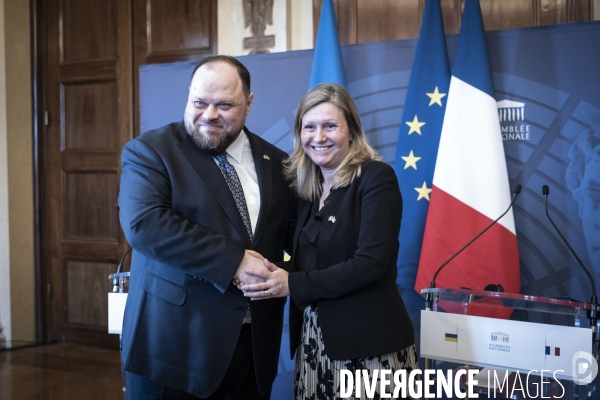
(551, 130)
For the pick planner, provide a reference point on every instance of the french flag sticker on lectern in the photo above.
(470, 182)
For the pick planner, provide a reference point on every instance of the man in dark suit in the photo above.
(199, 201)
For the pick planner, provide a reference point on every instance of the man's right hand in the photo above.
(251, 260)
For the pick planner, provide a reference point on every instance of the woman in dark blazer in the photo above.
(346, 312)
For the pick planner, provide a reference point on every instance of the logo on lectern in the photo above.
(499, 341)
(500, 337)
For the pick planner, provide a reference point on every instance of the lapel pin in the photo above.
(266, 157)
(332, 219)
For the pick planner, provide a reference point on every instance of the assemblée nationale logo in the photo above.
(512, 120)
(500, 341)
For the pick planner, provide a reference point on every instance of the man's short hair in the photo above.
(241, 69)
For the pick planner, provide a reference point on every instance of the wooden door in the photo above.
(88, 117)
(89, 56)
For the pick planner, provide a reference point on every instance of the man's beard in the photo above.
(213, 145)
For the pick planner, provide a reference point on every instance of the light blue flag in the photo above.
(419, 137)
(327, 61)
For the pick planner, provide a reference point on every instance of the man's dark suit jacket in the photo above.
(183, 315)
(361, 313)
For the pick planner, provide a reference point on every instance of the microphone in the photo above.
(593, 313)
(429, 297)
(115, 281)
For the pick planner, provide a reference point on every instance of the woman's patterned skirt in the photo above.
(318, 378)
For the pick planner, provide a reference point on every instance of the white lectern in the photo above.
(116, 308)
(552, 356)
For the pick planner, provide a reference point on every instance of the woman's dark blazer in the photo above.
(361, 313)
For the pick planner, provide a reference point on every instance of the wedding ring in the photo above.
(267, 293)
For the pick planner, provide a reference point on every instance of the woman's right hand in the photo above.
(275, 284)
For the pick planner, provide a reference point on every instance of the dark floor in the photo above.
(60, 371)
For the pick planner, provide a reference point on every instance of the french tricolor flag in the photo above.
(470, 183)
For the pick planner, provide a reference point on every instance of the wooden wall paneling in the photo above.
(176, 27)
(552, 11)
(586, 8)
(564, 11)
(382, 20)
(535, 18)
(317, 6)
(347, 20)
(506, 14)
(577, 11)
(452, 15)
(363, 21)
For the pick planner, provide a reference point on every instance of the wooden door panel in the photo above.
(88, 251)
(86, 71)
(89, 115)
(178, 27)
(85, 308)
(174, 30)
(90, 211)
(90, 160)
(89, 30)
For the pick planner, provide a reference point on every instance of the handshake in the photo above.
(259, 279)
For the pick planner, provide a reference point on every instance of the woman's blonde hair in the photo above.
(304, 174)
